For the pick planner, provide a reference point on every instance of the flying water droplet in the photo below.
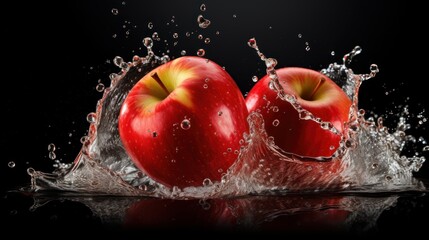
(299, 35)
(332, 53)
(252, 43)
(150, 25)
(175, 35)
(425, 148)
(100, 87)
(115, 11)
(51, 147)
(52, 155)
(147, 42)
(11, 164)
(202, 22)
(307, 48)
(254, 78)
(183, 53)
(201, 52)
(203, 7)
(207, 40)
(118, 61)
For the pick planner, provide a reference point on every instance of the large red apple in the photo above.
(182, 122)
(316, 93)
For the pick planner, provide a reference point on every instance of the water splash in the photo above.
(369, 155)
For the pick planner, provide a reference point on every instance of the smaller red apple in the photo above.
(316, 93)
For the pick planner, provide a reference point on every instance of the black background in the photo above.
(55, 52)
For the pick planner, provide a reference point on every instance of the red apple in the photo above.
(316, 93)
(182, 122)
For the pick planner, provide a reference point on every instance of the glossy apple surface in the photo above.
(182, 122)
(316, 93)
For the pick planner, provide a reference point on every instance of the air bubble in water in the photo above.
(11, 164)
(183, 53)
(201, 52)
(276, 122)
(150, 25)
(185, 124)
(99, 87)
(91, 117)
(147, 42)
(115, 11)
(254, 78)
(51, 147)
(118, 61)
(202, 22)
(203, 7)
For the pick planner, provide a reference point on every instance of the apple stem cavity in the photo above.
(319, 84)
(159, 81)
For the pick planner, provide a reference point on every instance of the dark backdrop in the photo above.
(54, 53)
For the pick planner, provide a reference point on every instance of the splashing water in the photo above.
(369, 156)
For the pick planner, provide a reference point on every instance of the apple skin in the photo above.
(150, 122)
(304, 138)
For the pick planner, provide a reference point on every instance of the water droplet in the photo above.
(307, 48)
(154, 134)
(331, 147)
(254, 78)
(52, 155)
(200, 36)
(217, 32)
(252, 43)
(425, 148)
(207, 182)
(113, 76)
(11, 164)
(219, 113)
(125, 66)
(183, 53)
(115, 11)
(91, 117)
(234, 16)
(374, 166)
(118, 61)
(357, 50)
(332, 53)
(205, 86)
(201, 52)
(388, 178)
(187, 34)
(99, 87)
(114, 35)
(175, 35)
(185, 124)
(299, 35)
(276, 122)
(84, 139)
(150, 25)
(202, 22)
(275, 109)
(207, 40)
(51, 147)
(203, 7)
(271, 62)
(374, 68)
(147, 42)
(220, 170)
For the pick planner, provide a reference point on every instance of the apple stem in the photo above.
(319, 84)
(159, 81)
